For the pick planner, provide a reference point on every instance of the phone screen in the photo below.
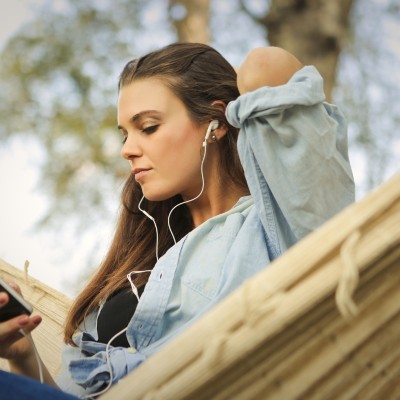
(17, 305)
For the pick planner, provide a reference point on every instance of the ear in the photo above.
(222, 129)
(219, 104)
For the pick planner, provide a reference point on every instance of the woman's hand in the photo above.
(13, 345)
(18, 348)
(266, 66)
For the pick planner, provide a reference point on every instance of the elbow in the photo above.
(266, 66)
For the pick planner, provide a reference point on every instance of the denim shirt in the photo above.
(293, 148)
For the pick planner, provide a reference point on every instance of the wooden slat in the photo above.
(51, 305)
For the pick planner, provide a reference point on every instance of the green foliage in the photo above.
(58, 82)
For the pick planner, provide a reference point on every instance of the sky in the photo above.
(12, 14)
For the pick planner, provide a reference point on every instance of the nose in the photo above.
(131, 148)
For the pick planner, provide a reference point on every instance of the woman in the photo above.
(206, 206)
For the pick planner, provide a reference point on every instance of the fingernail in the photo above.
(37, 319)
(13, 285)
(23, 321)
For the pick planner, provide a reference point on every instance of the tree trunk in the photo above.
(191, 20)
(313, 30)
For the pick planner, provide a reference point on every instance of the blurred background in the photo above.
(60, 169)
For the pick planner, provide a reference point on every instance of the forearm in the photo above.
(29, 367)
(266, 66)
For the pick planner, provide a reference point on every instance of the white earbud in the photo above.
(213, 125)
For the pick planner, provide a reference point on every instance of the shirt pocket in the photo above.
(205, 286)
(203, 268)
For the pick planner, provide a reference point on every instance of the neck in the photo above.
(215, 200)
(217, 197)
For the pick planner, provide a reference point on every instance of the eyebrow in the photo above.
(141, 115)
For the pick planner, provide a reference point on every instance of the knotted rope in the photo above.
(349, 278)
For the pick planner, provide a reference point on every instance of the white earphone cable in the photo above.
(154, 222)
(194, 198)
(213, 125)
(38, 361)
(134, 289)
(135, 292)
(89, 396)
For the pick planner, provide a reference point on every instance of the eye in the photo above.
(150, 129)
(124, 137)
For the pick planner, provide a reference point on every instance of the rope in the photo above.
(214, 351)
(349, 278)
(26, 275)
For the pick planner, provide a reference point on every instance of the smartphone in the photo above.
(17, 305)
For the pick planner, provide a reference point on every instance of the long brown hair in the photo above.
(198, 75)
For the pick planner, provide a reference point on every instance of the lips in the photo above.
(140, 172)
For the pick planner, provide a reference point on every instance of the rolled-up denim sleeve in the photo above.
(93, 373)
(89, 367)
(293, 148)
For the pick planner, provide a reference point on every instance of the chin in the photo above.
(152, 195)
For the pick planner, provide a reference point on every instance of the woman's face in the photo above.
(161, 143)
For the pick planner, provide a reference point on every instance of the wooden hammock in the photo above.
(322, 322)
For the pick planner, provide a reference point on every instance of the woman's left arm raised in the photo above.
(292, 144)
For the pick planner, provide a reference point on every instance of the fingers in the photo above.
(28, 324)
(3, 298)
(13, 344)
(13, 285)
(11, 327)
(22, 321)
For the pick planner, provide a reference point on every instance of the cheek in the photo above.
(184, 148)
(188, 152)
(182, 157)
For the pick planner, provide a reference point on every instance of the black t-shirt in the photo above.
(115, 315)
